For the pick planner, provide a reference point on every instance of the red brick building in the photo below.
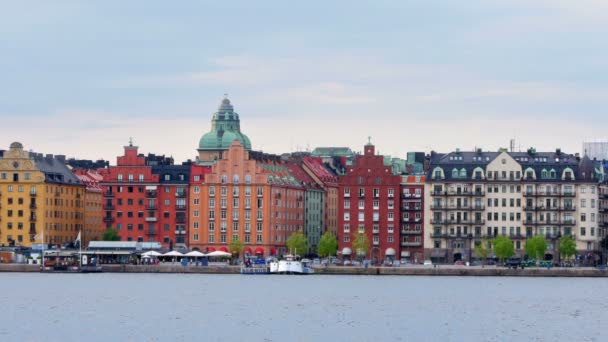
(412, 218)
(145, 198)
(369, 203)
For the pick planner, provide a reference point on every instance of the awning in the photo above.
(248, 251)
(346, 251)
(259, 250)
(390, 252)
(173, 254)
(211, 249)
(405, 254)
(224, 249)
(273, 251)
(195, 254)
(219, 254)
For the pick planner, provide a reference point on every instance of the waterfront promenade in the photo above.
(447, 270)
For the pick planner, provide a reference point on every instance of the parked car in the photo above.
(428, 263)
(528, 263)
(459, 263)
(513, 263)
(475, 263)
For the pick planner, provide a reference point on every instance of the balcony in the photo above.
(180, 207)
(108, 219)
(465, 193)
(151, 232)
(411, 208)
(529, 193)
(151, 207)
(604, 224)
(108, 194)
(410, 232)
(534, 208)
(567, 222)
(478, 207)
(568, 208)
(530, 222)
(411, 243)
(33, 194)
(438, 235)
(568, 194)
(604, 196)
(32, 232)
(180, 194)
(151, 219)
(438, 193)
(151, 194)
(603, 210)
(108, 207)
(32, 218)
(180, 219)
(33, 206)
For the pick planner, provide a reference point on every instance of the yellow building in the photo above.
(93, 215)
(40, 199)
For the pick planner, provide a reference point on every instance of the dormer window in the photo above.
(167, 177)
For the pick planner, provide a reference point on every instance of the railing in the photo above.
(529, 193)
(33, 194)
(108, 219)
(180, 207)
(33, 206)
(411, 208)
(180, 219)
(151, 232)
(410, 232)
(151, 207)
(32, 218)
(568, 208)
(534, 208)
(151, 194)
(108, 194)
(530, 222)
(108, 207)
(411, 243)
(567, 222)
(151, 219)
(180, 194)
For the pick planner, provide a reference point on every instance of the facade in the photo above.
(369, 203)
(314, 206)
(412, 218)
(472, 196)
(93, 206)
(41, 201)
(596, 150)
(250, 197)
(328, 181)
(171, 204)
(141, 206)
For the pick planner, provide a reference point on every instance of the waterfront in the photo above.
(183, 307)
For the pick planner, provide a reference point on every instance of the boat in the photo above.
(256, 267)
(291, 265)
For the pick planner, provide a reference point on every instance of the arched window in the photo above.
(568, 174)
(553, 174)
(463, 173)
(438, 173)
(247, 179)
(544, 174)
(530, 174)
(235, 179)
(478, 173)
(455, 173)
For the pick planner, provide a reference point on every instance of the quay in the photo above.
(333, 270)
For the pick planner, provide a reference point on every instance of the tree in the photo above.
(328, 245)
(567, 247)
(297, 242)
(110, 235)
(503, 248)
(236, 247)
(482, 251)
(360, 244)
(536, 247)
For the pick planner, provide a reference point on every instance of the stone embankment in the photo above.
(405, 271)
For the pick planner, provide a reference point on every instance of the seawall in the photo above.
(404, 271)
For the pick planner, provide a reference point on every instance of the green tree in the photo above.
(482, 251)
(536, 247)
(567, 247)
(360, 244)
(236, 247)
(297, 243)
(328, 245)
(503, 248)
(110, 235)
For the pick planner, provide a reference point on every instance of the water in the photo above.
(166, 307)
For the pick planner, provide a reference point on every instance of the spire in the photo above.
(369, 141)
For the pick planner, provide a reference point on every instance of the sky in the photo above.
(80, 77)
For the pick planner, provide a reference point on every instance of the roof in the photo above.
(332, 152)
(225, 129)
(54, 169)
(538, 161)
(316, 166)
(177, 174)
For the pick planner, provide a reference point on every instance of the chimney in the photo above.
(60, 158)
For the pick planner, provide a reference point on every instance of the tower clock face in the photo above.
(15, 165)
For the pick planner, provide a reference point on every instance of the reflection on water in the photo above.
(165, 307)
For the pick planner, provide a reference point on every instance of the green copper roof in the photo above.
(225, 129)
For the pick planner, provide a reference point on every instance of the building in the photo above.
(93, 206)
(245, 195)
(596, 150)
(41, 201)
(412, 218)
(328, 181)
(314, 206)
(145, 198)
(472, 196)
(171, 204)
(369, 203)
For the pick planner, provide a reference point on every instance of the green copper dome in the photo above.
(225, 129)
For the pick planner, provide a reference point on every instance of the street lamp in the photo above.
(470, 237)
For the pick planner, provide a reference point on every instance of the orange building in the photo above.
(93, 206)
(248, 196)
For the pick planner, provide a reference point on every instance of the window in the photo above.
(197, 178)
(347, 216)
(361, 217)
